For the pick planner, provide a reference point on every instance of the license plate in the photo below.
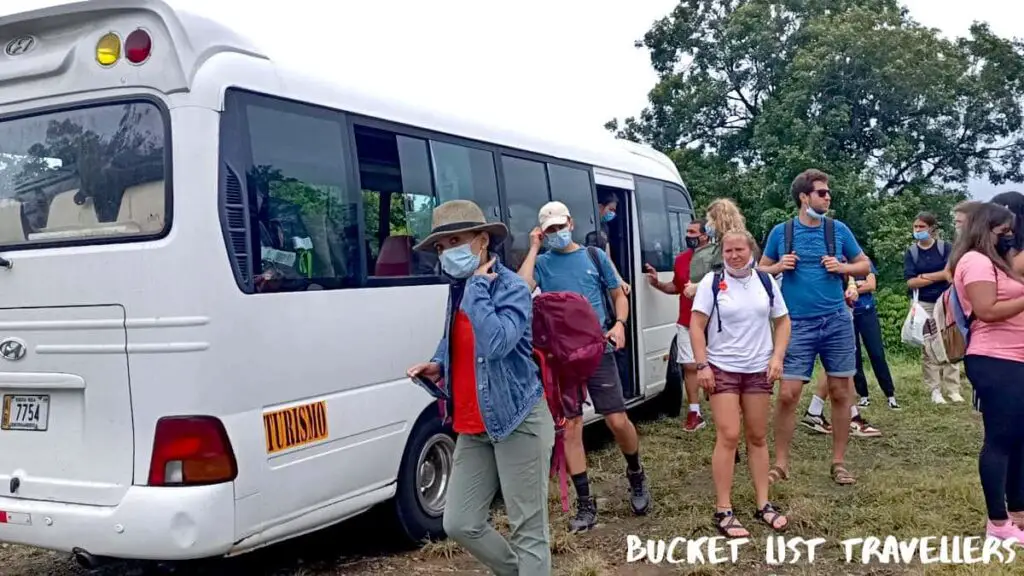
(29, 412)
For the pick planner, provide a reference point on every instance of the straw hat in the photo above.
(460, 216)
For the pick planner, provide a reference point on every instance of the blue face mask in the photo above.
(709, 229)
(814, 213)
(460, 262)
(559, 240)
(608, 216)
(922, 235)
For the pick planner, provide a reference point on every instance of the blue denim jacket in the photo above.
(508, 380)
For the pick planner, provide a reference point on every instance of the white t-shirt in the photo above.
(745, 343)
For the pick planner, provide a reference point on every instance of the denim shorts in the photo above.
(831, 337)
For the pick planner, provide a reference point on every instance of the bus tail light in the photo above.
(108, 49)
(191, 451)
(138, 46)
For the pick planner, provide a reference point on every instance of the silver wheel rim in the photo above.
(434, 472)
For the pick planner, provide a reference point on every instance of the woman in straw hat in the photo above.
(484, 370)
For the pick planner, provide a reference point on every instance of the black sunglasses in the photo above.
(822, 193)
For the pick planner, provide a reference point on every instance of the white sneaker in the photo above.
(956, 397)
(937, 397)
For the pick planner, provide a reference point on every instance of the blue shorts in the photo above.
(831, 337)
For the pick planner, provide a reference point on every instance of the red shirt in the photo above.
(462, 374)
(682, 276)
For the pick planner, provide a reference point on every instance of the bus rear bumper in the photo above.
(148, 524)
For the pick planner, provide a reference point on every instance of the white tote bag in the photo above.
(913, 326)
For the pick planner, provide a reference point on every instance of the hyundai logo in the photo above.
(12, 349)
(20, 45)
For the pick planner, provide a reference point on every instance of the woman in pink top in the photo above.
(992, 294)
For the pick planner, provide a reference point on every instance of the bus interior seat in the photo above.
(143, 205)
(395, 258)
(11, 228)
(65, 214)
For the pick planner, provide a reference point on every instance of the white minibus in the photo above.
(208, 299)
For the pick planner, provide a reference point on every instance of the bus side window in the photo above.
(679, 217)
(466, 173)
(571, 186)
(398, 200)
(526, 190)
(303, 213)
(655, 235)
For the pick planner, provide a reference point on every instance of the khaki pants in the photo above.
(519, 465)
(944, 377)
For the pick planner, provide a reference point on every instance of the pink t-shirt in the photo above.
(1003, 339)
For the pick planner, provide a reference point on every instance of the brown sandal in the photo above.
(777, 474)
(842, 476)
(771, 515)
(726, 521)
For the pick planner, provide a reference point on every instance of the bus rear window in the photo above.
(83, 174)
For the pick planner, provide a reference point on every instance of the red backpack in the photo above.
(568, 344)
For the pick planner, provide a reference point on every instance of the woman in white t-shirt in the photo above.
(738, 361)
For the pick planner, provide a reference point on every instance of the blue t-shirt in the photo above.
(810, 290)
(574, 272)
(866, 300)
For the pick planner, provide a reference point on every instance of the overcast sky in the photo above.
(539, 65)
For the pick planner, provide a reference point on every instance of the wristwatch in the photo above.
(702, 365)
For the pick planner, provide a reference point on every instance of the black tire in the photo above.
(670, 402)
(429, 440)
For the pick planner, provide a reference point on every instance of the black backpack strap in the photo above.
(609, 306)
(830, 236)
(766, 281)
(788, 237)
(715, 281)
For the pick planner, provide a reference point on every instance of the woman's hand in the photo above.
(690, 291)
(706, 379)
(485, 269)
(429, 370)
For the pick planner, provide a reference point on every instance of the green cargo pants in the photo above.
(520, 465)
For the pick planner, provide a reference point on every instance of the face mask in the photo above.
(922, 235)
(608, 216)
(692, 243)
(460, 262)
(709, 229)
(814, 213)
(1004, 245)
(740, 272)
(559, 240)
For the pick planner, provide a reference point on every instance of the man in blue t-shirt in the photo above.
(814, 288)
(567, 267)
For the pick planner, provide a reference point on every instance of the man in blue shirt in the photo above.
(815, 291)
(567, 267)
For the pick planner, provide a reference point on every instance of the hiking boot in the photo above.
(893, 405)
(817, 423)
(586, 515)
(859, 427)
(864, 402)
(694, 422)
(639, 495)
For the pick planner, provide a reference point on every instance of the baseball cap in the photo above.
(553, 214)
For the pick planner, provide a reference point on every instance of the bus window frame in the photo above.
(165, 116)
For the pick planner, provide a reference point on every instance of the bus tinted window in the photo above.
(679, 217)
(398, 199)
(526, 190)
(466, 174)
(571, 186)
(655, 238)
(305, 220)
(82, 174)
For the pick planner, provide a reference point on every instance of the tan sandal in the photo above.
(842, 476)
(777, 474)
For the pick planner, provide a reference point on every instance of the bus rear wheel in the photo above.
(423, 481)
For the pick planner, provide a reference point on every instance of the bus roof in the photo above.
(61, 56)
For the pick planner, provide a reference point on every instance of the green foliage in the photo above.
(893, 306)
(753, 92)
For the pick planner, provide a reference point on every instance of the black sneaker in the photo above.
(639, 495)
(817, 423)
(586, 515)
(893, 405)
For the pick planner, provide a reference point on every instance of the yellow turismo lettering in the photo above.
(295, 426)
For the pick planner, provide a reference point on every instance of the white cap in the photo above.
(553, 214)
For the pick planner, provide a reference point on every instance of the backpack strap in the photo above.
(606, 299)
(915, 252)
(942, 247)
(766, 281)
(830, 236)
(716, 280)
(788, 236)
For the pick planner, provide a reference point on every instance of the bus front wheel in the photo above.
(423, 480)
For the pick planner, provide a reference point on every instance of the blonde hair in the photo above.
(742, 233)
(726, 217)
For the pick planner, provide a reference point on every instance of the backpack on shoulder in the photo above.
(568, 344)
(915, 250)
(948, 332)
(830, 240)
(716, 286)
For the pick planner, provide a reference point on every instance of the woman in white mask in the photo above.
(738, 359)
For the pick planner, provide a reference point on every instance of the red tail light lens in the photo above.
(191, 451)
(138, 46)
